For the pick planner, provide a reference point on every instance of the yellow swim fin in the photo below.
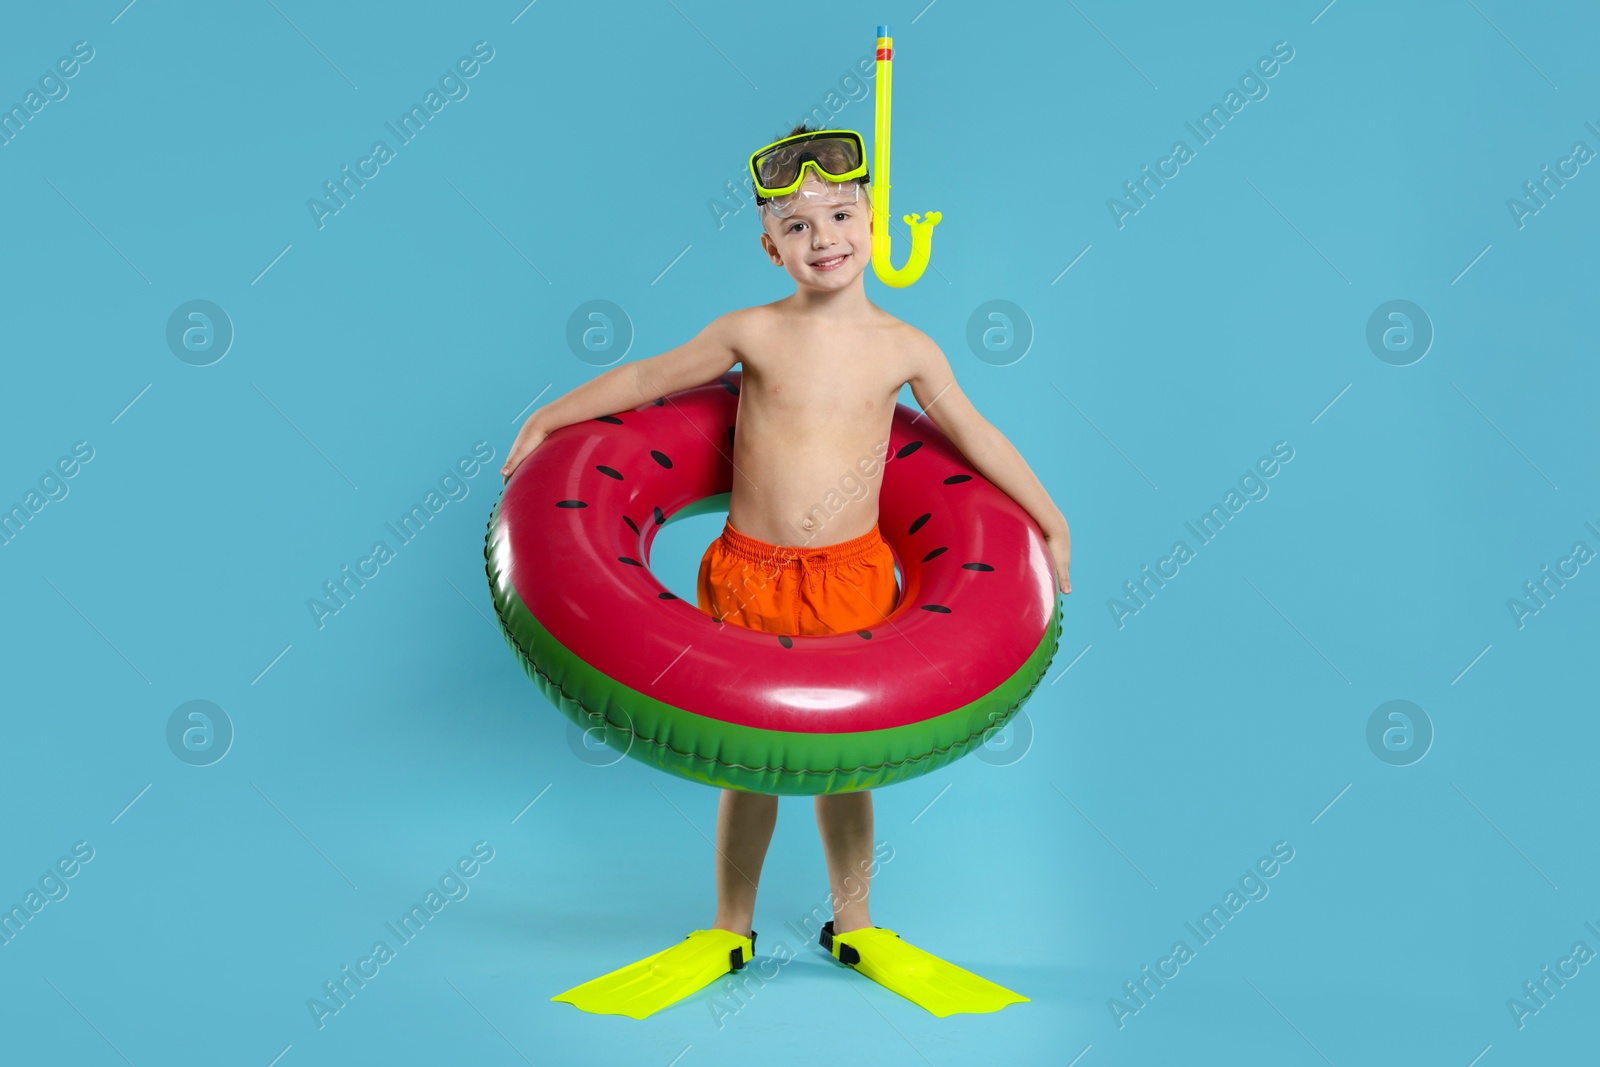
(920, 977)
(666, 977)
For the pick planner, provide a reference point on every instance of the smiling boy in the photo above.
(822, 369)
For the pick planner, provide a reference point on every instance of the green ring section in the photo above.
(747, 758)
(715, 502)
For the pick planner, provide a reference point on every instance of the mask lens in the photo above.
(833, 155)
(779, 167)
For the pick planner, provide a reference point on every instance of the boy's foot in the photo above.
(919, 976)
(666, 977)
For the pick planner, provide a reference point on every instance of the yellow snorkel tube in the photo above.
(921, 229)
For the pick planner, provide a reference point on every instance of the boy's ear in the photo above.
(770, 247)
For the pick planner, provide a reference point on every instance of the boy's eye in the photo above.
(840, 214)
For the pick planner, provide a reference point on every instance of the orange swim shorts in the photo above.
(786, 589)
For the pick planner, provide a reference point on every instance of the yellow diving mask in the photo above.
(835, 157)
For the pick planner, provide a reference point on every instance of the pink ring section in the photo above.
(569, 566)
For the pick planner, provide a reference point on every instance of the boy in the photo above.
(822, 369)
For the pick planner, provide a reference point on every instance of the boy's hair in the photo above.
(831, 156)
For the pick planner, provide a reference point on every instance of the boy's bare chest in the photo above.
(822, 379)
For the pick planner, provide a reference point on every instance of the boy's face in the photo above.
(822, 245)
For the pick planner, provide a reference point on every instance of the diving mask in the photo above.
(834, 156)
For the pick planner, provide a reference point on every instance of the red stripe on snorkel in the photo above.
(886, 53)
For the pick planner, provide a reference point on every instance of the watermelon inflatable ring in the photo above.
(568, 562)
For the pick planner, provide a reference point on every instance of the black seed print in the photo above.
(935, 552)
(940, 608)
(612, 419)
(918, 524)
(571, 504)
(906, 450)
(661, 458)
(865, 635)
(784, 641)
(668, 596)
(976, 567)
(957, 479)
(609, 472)
(729, 386)
(629, 562)
(661, 401)
(631, 526)
(660, 517)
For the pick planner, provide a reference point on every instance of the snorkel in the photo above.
(921, 229)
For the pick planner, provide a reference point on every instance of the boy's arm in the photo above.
(711, 352)
(933, 383)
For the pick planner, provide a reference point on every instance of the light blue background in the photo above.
(1227, 315)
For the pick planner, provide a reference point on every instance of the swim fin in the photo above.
(664, 978)
(920, 977)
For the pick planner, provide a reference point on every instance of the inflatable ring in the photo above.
(568, 554)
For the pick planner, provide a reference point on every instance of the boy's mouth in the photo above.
(831, 263)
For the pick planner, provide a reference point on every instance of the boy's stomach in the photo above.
(806, 495)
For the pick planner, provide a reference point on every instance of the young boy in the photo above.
(822, 369)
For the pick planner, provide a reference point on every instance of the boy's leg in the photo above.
(744, 829)
(745, 821)
(857, 591)
(845, 822)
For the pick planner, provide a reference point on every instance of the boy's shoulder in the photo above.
(913, 346)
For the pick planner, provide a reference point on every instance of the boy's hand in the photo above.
(529, 438)
(1060, 546)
